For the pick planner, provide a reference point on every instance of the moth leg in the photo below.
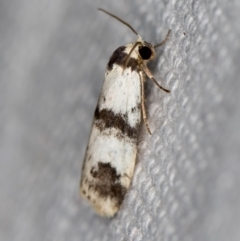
(164, 41)
(150, 76)
(143, 106)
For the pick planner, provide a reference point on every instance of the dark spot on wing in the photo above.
(105, 173)
(133, 109)
(107, 182)
(139, 106)
(119, 57)
(108, 119)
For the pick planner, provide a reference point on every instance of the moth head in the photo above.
(146, 51)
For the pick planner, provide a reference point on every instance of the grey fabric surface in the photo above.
(52, 63)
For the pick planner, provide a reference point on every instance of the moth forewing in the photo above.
(110, 157)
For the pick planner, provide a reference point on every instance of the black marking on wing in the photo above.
(107, 182)
(119, 57)
(106, 118)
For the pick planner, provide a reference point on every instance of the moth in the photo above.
(112, 148)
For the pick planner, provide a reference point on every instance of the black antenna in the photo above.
(119, 19)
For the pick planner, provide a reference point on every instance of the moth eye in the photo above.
(145, 52)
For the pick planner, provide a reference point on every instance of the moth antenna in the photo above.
(119, 19)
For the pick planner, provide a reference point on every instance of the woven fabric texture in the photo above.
(53, 56)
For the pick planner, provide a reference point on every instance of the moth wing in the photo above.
(111, 152)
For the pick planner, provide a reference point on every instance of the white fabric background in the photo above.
(53, 56)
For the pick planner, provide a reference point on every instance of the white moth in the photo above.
(112, 148)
